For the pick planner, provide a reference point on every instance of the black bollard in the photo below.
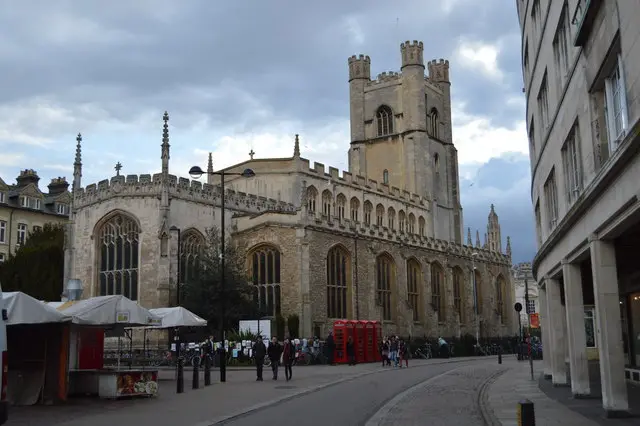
(526, 413)
(499, 354)
(207, 370)
(196, 373)
(223, 365)
(180, 378)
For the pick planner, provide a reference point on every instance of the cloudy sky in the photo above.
(237, 75)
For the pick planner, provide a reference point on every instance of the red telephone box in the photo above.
(340, 335)
(360, 341)
(370, 348)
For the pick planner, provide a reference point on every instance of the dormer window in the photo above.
(30, 202)
(24, 201)
(62, 209)
(2, 197)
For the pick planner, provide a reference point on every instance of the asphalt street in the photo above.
(444, 394)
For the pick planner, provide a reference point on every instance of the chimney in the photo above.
(58, 186)
(26, 177)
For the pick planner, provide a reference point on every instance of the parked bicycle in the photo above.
(424, 352)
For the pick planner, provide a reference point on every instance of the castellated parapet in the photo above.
(412, 53)
(359, 67)
(147, 185)
(439, 71)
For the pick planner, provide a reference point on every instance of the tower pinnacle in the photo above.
(77, 164)
(210, 164)
(165, 144)
(296, 147)
(469, 241)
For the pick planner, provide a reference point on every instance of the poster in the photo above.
(534, 320)
(137, 383)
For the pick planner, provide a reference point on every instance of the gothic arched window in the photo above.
(391, 218)
(434, 122)
(385, 284)
(385, 177)
(458, 292)
(354, 204)
(411, 224)
(422, 225)
(414, 284)
(479, 293)
(265, 265)
(338, 283)
(379, 214)
(118, 242)
(312, 196)
(402, 220)
(368, 208)
(341, 202)
(437, 291)
(326, 203)
(384, 120)
(500, 298)
(191, 246)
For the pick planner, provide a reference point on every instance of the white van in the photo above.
(4, 372)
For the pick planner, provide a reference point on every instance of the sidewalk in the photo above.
(502, 396)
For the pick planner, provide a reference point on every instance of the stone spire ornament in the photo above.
(165, 144)
(469, 241)
(210, 163)
(477, 238)
(508, 246)
(296, 147)
(77, 165)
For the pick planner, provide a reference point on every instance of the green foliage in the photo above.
(204, 294)
(293, 324)
(239, 336)
(37, 268)
(280, 326)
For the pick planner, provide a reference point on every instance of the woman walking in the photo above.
(288, 354)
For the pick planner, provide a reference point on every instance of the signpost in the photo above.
(518, 309)
(526, 302)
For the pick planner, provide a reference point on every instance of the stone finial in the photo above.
(477, 239)
(296, 147)
(508, 246)
(165, 144)
(78, 160)
(77, 165)
(251, 154)
(469, 241)
(117, 168)
(210, 163)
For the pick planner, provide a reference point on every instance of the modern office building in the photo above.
(580, 63)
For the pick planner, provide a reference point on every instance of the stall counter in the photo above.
(113, 384)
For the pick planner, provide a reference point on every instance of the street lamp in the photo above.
(176, 331)
(196, 173)
(475, 296)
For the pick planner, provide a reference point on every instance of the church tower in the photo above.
(401, 133)
(494, 237)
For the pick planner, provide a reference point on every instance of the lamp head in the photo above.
(196, 172)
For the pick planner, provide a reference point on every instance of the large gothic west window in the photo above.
(385, 284)
(384, 120)
(118, 243)
(265, 265)
(191, 247)
(338, 282)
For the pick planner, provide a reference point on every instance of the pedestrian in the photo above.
(403, 353)
(384, 349)
(331, 346)
(274, 351)
(259, 352)
(444, 347)
(288, 354)
(351, 351)
(393, 350)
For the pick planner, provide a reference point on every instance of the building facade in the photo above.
(25, 208)
(522, 272)
(581, 62)
(382, 241)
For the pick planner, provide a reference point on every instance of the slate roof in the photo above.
(27, 185)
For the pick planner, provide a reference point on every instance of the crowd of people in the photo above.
(394, 351)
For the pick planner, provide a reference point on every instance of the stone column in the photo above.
(556, 328)
(546, 331)
(576, 334)
(608, 326)
(306, 324)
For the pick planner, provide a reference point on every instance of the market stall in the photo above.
(37, 335)
(91, 319)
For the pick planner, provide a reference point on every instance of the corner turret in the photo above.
(412, 54)
(439, 71)
(359, 67)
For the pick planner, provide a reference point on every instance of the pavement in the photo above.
(240, 397)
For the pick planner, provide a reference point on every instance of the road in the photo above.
(444, 394)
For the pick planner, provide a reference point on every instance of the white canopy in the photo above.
(24, 309)
(108, 310)
(177, 317)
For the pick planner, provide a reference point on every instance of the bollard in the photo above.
(499, 354)
(207, 370)
(526, 413)
(180, 378)
(196, 374)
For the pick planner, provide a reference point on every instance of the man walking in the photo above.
(274, 351)
(259, 351)
(331, 346)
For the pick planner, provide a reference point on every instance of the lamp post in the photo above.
(475, 297)
(176, 334)
(196, 173)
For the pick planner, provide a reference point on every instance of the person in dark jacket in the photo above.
(259, 351)
(274, 351)
(331, 347)
(288, 354)
(351, 351)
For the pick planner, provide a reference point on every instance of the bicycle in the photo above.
(424, 352)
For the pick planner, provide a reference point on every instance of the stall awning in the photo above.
(24, 309)
(177, 317)
(107, 311)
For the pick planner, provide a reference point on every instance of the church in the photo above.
(383, 241)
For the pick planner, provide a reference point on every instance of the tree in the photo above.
(203, 294)
(37, 267)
